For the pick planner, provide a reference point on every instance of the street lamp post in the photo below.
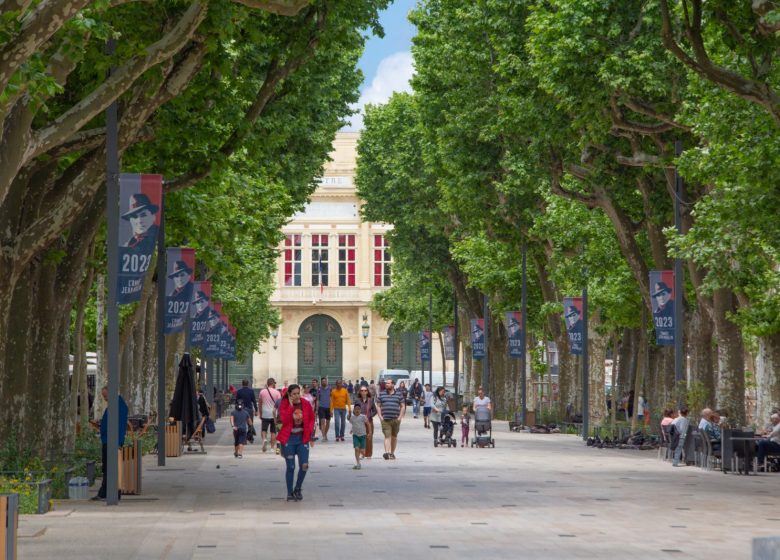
(275, 333)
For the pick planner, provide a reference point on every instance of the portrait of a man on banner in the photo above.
(199, 311)
(662, 301)
(178, 287)
(514, 329)
(449, 342)
(140, 206)
(572, 315)
(425, 346)
(478, 339)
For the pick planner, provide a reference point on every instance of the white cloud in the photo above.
(392, 74)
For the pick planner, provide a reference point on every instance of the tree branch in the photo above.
(754, 91)
(278, 7)
(267, 92)
(38, 26)
(100, 98)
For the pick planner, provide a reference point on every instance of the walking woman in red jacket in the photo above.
(297, 417)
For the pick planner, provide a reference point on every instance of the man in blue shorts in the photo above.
(323, 407)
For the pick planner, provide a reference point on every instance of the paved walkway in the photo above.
(533, 496)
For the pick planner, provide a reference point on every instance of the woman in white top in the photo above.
(427, 405)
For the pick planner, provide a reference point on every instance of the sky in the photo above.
(386, 62)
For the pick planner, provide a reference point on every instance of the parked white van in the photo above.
(438, 379)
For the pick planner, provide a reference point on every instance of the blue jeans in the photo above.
(340, 419)
(678, 451)
(295, 447)
(415, 407)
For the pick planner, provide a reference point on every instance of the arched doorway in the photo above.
(319, 349)
(403, 350)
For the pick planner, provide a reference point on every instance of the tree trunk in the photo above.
(101, 375)
(597, 354)
(730, 392)
(700, 350)
(767, 377)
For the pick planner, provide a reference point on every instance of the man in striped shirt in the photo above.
(390, 408)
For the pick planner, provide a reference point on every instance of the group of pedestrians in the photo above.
(290, 417)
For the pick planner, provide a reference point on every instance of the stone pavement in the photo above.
(533, 496)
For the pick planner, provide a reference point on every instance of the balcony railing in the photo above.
(329, 294)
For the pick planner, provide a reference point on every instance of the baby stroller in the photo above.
(445, 431)
(483, 428)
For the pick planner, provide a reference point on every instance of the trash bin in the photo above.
(78, 488)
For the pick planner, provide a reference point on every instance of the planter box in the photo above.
(9, 521)
(129, 462)
(173, 443)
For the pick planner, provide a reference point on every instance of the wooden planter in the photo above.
(130, 469)
(173, 444)
(9, 521)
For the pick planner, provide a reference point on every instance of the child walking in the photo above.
(465, 418)
(359, 423)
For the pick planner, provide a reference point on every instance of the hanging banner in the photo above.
(213, 332)
(425, 346)
(478, 339)
(572, 314)
(140, 205)
(662, 299)
(199, 312)
(514, 328)
(449, 342)
(178, 288)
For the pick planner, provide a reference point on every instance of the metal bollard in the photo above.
(8, 528)
(91, 472)
(766, 548)
(44, 495)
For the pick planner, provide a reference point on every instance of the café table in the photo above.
(747, 446)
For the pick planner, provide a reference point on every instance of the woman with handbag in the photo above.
(297, 419)
(367, 408)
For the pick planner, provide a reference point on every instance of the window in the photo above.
(381, 261)
(292, 260)
(346, 260)
(319, 259)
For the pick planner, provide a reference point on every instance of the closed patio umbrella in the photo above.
(184, 404)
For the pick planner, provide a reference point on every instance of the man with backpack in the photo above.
(269, 399)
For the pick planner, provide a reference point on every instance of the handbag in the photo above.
(210, 427)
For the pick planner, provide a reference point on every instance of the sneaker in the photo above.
(97, 499)
(265, 446)
(298, 495)
(356, 467)
(392, 456)
(291, 498)
(386, 456)
(240, 456)
(235, 453)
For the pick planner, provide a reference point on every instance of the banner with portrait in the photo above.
(449, 342)
(213, 335)
(572, 315)
(425, 346)
(514, 329)
(140, 207)
(178, 287)
(199, 312)
(478, 339)
(662, 298)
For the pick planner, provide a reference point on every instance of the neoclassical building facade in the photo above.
(329, 267)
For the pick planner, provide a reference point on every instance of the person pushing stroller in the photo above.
(483, 420)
